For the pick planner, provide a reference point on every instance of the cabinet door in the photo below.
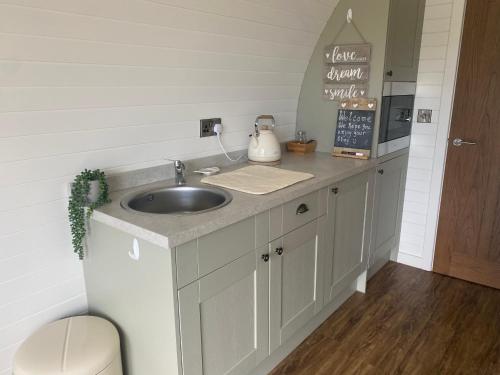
(348, 231)
(294, 295)
(403, 39)
(224, 318)
(389, 192)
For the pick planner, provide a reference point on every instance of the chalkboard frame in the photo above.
(358, 104)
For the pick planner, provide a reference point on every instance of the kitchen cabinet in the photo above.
(294, 277)
(239, 299)
(136, 295)
(404, 35)
(224, 318)
(348, 232)
(389, 195)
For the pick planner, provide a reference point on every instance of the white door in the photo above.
(224, 318)
(294, 294)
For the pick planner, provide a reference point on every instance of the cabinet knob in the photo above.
(279, 250)
(302, 209)
(265, 257)
(335, 190)
(389, 73)
(380, 171)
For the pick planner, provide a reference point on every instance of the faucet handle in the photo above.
(178, 166)
(176, 162)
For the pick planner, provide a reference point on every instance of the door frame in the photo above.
(443, 129)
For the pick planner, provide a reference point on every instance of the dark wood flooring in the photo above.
(409, 322)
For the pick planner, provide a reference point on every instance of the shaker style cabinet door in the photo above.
(348, 232)
(294, 293)
(406, 18)
(389, 193)
(224, 318)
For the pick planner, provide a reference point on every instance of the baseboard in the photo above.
(411, 260)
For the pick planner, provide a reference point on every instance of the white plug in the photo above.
(218, 132)
(218, 129)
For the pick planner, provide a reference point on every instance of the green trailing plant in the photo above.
(80, 208)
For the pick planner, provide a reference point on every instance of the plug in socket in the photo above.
(207, 126)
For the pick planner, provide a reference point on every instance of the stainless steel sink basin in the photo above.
(183, 199)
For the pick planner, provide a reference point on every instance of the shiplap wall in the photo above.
(435, 86)
(121, 84)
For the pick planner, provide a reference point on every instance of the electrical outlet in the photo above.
(207, 126)
(424, 116)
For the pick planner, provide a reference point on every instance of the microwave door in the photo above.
(396, 117)
(400, 123)
(384, 119)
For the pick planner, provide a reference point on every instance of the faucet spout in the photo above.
(179, 169)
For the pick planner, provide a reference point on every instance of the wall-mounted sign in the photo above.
(354, 133)
(340, 92)
(347, 73)
(347, 53)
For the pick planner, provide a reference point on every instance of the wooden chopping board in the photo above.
(257, 179)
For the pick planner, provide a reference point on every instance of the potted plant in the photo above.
(89, 191)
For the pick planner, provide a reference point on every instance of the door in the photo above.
(389, 194)
(348, 233)
(224, 318)
(294, 296)
(468, 238)
(406, 18)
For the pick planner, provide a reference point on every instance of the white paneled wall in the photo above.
(435, 85)
(121, 84)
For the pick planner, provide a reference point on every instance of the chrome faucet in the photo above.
(179, 169)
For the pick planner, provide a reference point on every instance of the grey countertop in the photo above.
(170, 231)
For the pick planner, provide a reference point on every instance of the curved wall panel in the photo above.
(317, 116)
(122, 84)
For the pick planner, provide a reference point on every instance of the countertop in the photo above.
(170, 231)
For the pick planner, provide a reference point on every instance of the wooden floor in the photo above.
(409, 322)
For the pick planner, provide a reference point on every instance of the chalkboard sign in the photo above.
(354, 133)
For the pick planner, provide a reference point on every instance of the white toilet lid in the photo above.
(81, 345)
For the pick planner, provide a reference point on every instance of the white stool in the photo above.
(81, 345)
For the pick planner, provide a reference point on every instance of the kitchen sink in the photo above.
(179, 199)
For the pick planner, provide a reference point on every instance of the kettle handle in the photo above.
(265, 117)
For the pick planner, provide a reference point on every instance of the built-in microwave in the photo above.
(396, 116)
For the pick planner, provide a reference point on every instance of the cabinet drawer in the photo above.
(199, 257)
(300, 211)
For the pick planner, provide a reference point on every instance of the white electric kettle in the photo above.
(264, 146)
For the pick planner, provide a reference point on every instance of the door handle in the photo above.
(279, 250)
(302, 209)
(265, 257)
(457, 142)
